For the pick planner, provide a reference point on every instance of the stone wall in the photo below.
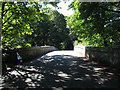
(27, 54)
(107, 56)
(80, 50)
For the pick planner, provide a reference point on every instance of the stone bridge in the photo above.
(61, 69)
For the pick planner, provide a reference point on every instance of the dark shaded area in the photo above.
(27, 54)
(61, 71)
(104, 55)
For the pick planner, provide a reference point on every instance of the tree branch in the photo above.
(110, 10)
(113, 21)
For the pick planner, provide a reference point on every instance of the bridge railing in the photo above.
(105, 55)
(27, 54)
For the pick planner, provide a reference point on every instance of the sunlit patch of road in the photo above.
(65, 52)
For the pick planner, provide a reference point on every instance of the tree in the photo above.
(98, 23)
(50, 30)
(28, 24)
(18, 19)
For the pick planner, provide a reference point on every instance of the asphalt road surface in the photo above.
(61, 69)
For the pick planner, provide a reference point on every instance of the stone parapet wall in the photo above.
(108, 56)
(80, 50)
(27, 53)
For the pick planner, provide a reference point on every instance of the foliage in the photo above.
(28, 24)
(51, 30)
(18, 20)
(96, 23)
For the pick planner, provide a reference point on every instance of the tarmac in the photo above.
(59, 70)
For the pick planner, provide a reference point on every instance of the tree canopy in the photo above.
(17, 20)
(29, 24)
(26, 24)
(97, 23)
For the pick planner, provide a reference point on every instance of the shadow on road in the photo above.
(61, 71)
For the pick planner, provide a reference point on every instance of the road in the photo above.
(61, 69)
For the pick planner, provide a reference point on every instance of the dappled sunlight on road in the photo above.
(64, 75)
(61, 69)
(62, 52)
